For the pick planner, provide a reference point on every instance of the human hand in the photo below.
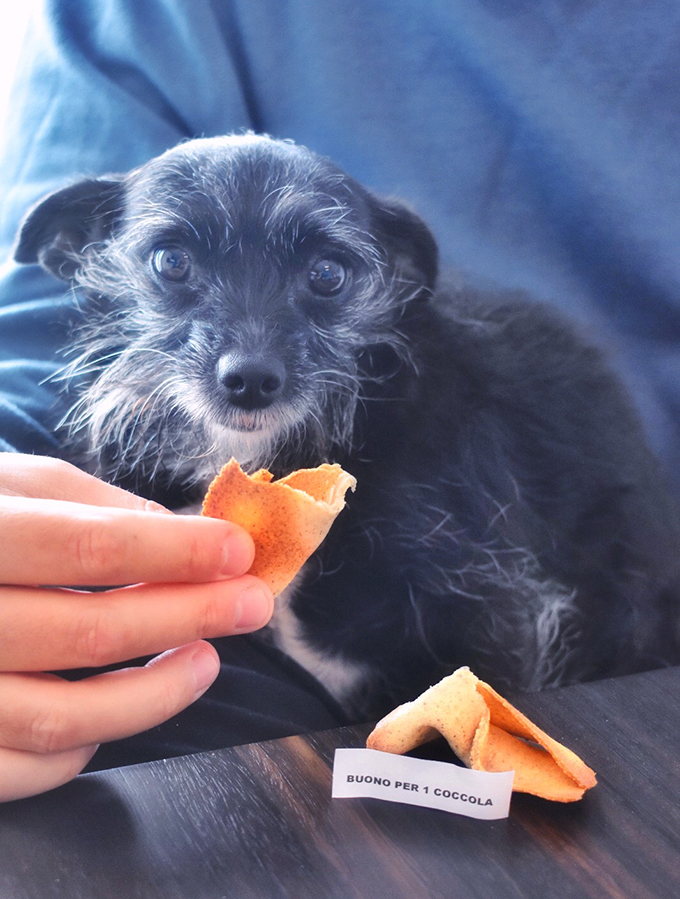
(59, 526)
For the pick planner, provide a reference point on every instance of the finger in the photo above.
(52, 630)
(46, 714)
(55, 542)
(43, 476)
(25, 774)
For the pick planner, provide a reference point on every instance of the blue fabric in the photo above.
(540, 140)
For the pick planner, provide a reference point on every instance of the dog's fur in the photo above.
(508, 513)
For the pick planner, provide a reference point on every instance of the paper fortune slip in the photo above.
(369, 773)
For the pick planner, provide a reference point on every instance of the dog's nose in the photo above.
(251, 382)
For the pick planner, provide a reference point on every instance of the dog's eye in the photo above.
(327, 277)
(171, 263)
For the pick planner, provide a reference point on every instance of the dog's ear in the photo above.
(57, 230)
(408, 238)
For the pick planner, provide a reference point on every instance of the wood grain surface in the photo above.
(258, 821)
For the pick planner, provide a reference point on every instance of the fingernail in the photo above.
(252, 609)
(237, 555)
(206, 668)
(151, 506)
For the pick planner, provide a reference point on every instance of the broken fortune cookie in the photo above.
(287, 518)
(488, 734)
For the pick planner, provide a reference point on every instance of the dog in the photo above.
(241, 296)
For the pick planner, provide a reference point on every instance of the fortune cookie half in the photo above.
(488, 734)
(287, 519)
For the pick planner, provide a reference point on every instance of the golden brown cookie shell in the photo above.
(287, 519)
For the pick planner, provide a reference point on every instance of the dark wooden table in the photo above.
(258, 821)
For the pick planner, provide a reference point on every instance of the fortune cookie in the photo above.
(287, 519)
(488, 734)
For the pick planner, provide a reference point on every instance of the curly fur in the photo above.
(508, 516)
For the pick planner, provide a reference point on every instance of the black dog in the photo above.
(241, 296)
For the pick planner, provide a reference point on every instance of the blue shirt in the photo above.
(539, 140)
